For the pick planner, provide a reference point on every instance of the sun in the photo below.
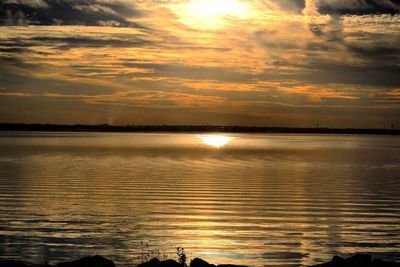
(211, 13)
(207, 9)
(215, 140)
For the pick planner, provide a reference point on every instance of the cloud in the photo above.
(30, 3)
(68, 12)
(275, 66)
(71, 42)
(311, 8)
(108, 23)
(359, 7)
(351, 7)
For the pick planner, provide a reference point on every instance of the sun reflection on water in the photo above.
(215, 140)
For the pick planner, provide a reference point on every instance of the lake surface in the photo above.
(255, 199)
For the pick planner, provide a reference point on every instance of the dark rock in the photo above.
(12, 263)
(337, 261)
(95, 261)
(197, 262)
(382, 263)
(325, 264)
(169, 263)
(154, 262)
(358, 260)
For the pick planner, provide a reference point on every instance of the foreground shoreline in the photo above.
(189, 129)
(358, 260)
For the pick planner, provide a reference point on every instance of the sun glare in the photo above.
(215, 140)
(211, 13)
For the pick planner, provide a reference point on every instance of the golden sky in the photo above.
(229, 62)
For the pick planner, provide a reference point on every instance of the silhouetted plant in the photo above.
(146, 253)
(165, 257)
(180, 251)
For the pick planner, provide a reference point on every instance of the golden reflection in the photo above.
(215, 140)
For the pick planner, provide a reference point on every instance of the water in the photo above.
(250, 199)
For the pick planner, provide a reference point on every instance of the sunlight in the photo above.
(211, 13)
(215, 140)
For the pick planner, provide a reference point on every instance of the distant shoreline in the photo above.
(188, 129)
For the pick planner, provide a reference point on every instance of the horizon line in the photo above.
(6, 126)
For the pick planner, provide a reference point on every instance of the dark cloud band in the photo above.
(66, 12)
(359, 7)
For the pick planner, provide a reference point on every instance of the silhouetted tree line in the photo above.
(187, 128)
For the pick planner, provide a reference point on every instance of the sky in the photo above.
(201, 62)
